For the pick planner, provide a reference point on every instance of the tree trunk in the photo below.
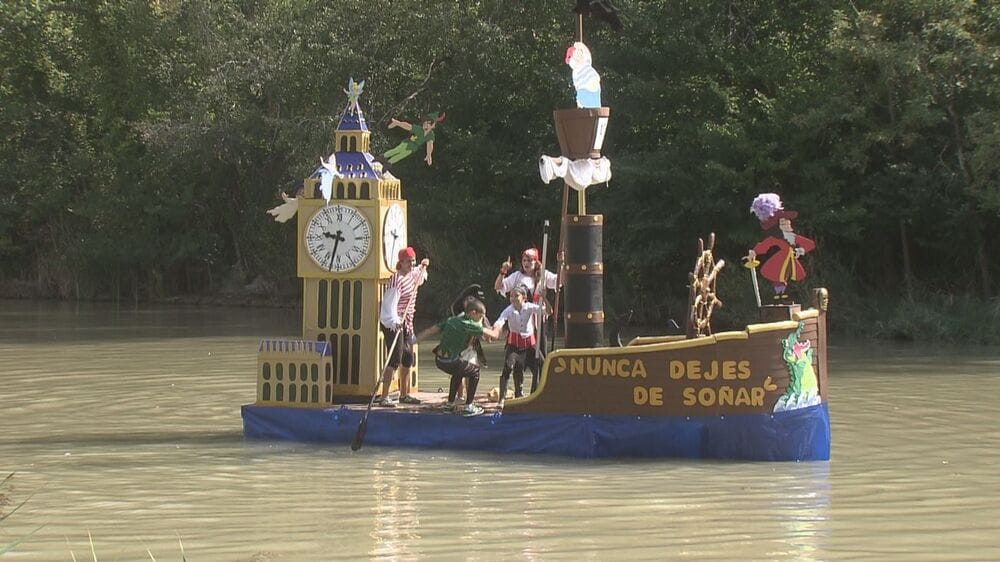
(983, 263)
(907, 264)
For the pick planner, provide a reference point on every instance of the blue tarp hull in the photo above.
(800, 435)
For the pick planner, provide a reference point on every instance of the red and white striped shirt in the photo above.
(400, 299)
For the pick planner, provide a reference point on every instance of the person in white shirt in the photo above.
(398, 305)
(531, 271)
(526, 276)
(521, 319)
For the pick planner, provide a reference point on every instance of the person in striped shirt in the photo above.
(396, 317)
(586, 80)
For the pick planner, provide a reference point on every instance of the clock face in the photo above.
(338, 238)
(393, 234)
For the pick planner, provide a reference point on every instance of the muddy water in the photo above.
(124, 432)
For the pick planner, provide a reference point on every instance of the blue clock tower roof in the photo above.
(353, 119)
(356, 165)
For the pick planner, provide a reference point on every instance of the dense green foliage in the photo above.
(143, 140)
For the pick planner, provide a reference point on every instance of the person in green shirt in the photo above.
(422, 135)
(455, 354)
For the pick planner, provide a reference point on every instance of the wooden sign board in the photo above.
(728, 373)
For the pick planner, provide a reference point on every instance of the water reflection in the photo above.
(594, 509)
(395, 488)
(804, 504)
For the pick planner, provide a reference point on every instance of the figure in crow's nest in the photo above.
(601, 9)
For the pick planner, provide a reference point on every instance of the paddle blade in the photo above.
(359, 437)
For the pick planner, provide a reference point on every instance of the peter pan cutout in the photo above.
(422, 135)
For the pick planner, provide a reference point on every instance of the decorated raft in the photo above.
(756, 394)
(728, 395)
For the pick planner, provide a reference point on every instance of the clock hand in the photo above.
(337, 239)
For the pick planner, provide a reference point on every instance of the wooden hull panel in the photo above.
(725, 374)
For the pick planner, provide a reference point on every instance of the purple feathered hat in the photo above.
(768, 209)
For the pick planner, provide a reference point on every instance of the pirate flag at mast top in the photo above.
(780, 253)
(603, 10)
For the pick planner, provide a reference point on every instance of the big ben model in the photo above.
(351, 226)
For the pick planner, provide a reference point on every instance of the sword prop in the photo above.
(752, 266)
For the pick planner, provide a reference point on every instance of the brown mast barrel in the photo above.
(583, 288)
(581, 135)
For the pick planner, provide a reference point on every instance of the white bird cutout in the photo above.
(327, 172)
(286, 210)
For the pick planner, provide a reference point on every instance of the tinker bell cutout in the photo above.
(353, 91)
(422, 135)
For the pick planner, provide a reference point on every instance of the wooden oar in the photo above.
(359, 437)
(540, 289)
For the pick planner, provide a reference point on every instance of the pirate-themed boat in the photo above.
(759, 393)
(755, 394)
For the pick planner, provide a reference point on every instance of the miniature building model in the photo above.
(294, 373)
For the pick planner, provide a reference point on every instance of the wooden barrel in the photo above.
(581, 131)
(583, 286)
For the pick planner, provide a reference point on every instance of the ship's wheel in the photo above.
(702, 300)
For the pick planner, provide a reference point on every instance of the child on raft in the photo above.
(455, 354)
(521, 319)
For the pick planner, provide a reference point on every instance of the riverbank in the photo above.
(929, 318)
